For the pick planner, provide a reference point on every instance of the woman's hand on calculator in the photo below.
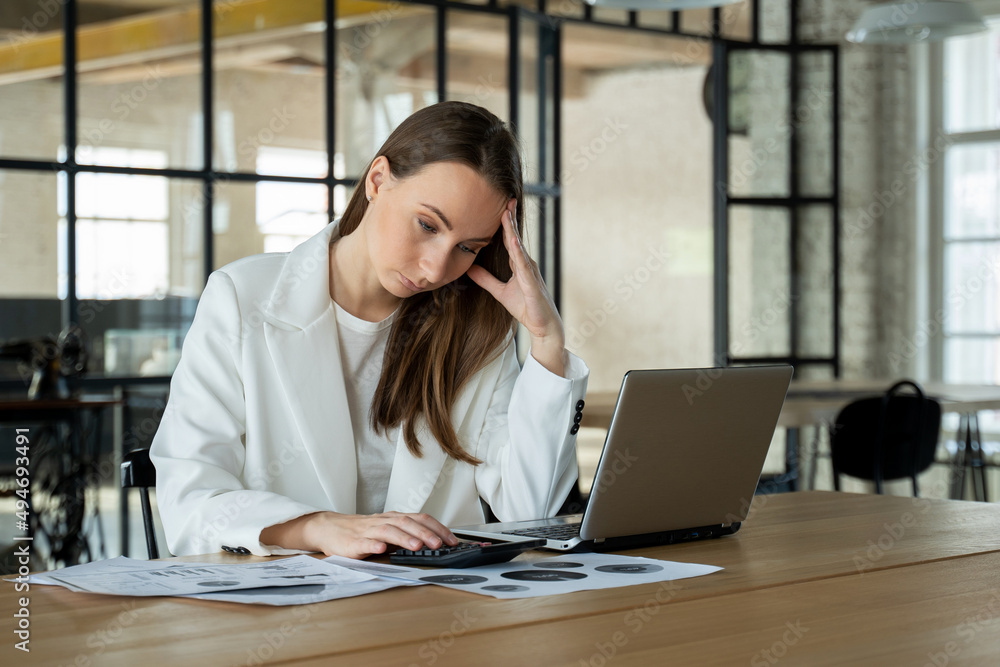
(359, 535)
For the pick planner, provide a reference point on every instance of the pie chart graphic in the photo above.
(454, 579)
(630, 568)
(543, 575)
(506, 588)
(558, 565)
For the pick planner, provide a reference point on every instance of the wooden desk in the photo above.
(819, 577)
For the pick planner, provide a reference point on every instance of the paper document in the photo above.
(303, 579)
(123, 576)
(377, 569)
(561, 574)
(307, 594)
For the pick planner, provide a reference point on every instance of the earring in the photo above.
(369, 197)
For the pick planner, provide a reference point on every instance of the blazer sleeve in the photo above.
(199, 449)
(528, 442)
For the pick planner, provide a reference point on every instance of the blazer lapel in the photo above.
(414, 479)
(301, 335)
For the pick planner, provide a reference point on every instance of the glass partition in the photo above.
(386, 69)
(30, 252)
(759, 120)
(139, 85)
(760, 301)
(478, 60)
(269, 61)
(31, 62)
(637, 202)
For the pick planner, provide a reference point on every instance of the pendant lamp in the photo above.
(911, 22)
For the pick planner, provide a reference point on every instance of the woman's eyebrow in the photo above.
(447, 224)
(439, 214)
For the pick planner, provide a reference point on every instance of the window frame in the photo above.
(548, 18)
(932, 206)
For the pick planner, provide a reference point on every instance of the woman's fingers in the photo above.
(393, 534)
(364, 547)
(517, 258)
(416, 530)
(486, 280)
(410, 531)
(359, 535)
(434, 527)
(515, 247)
(526, 272)
(524, 295)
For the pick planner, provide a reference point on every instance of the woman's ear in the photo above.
(378, 175)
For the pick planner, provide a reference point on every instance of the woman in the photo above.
(363, 390)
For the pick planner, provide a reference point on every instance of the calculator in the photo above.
(464, 554)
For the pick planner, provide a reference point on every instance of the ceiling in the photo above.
(119, 39)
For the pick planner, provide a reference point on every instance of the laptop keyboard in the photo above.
(559, 531)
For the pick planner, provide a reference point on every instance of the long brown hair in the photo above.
(440, 339)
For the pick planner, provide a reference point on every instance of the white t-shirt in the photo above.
(362, 346)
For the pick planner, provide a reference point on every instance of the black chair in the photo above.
(886, 437)
(576, 501)
(138, 473)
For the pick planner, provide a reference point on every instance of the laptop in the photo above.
(681, 461)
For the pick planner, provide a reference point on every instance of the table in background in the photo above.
(817, 403)
(64, 454)
(820, 577)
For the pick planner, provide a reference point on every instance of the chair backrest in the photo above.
(887, 437)
(138, 472)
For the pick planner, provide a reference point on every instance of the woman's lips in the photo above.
(408, 284)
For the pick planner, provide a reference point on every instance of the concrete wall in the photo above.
(637, 254)
(880, 150)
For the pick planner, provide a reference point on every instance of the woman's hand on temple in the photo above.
(358, 535)
(526, 297)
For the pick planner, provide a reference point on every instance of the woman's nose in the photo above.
(434, 266)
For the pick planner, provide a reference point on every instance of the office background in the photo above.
(859, 184)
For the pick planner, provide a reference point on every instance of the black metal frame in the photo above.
(724, 201)
(549, 242)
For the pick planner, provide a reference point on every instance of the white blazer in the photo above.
(257, 429)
